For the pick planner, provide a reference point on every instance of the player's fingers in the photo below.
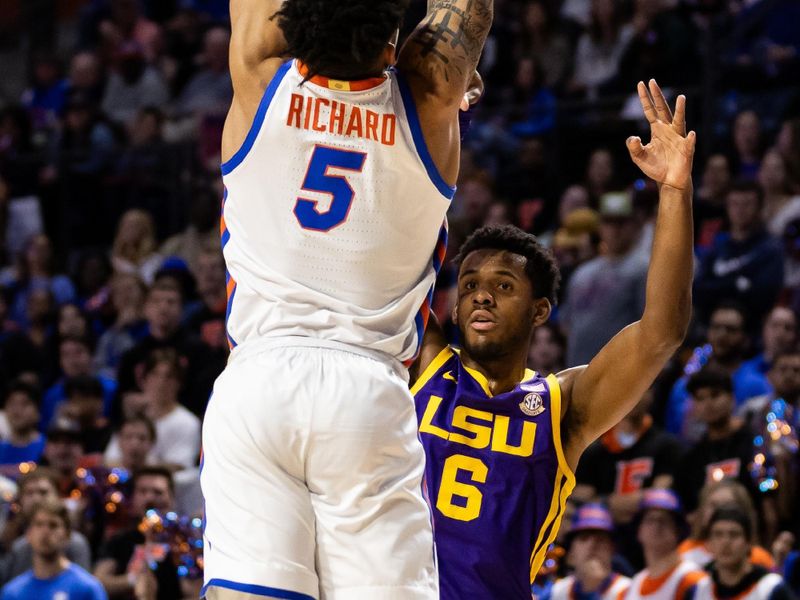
(465, 103)
(647, 103)
(662, 108)
(692, 139)
(635, 146)
(679, 122)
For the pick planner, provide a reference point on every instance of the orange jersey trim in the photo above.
(341, 85)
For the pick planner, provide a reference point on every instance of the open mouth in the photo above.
(482, 320)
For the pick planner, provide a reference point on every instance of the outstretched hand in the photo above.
(667, 158)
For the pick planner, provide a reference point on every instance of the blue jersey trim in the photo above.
(235, 160)
(258, 590)
(445, 190)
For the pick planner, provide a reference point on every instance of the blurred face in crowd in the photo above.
(134, 226)
(75, 358)
(163, 310)
(135, 443)
(35, 491)
(210, 273)
(40, 305)
(726, 333)
(476, 198)
(729, 545)
(127, 292)
(84, 70)
(747, 132)
(716, 175)
(658, 533)
(601, 166)
(47, 534)
(77, 118)
(21, 411)
(499, 214)
(722, 496)
(215, 49)
(591, 545)
(84, 408)
(526, 74)
(619, 234)
(38, 253)
(785, 376)
(151, 493)
(780, 330)
(713, 406)
(546, 352)
(63, 453)
(535, 17)
(743, 209)
(71, 321)
(573, 198)
(772, 173)
(161, 385)
(145, 129)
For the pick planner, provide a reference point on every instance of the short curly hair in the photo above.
(541, 267)
(339, 39)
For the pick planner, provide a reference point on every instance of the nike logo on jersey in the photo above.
(449, 377)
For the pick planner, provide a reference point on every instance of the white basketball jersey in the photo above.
(564, 589)
(333, 222)
(671, 587)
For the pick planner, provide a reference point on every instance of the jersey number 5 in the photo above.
(336, 186)
(471, 498)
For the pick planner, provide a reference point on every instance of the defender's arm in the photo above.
(599, 395)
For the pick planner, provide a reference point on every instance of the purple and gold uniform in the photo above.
(496, 475)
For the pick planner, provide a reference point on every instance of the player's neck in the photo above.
(45, 567)
(503, 373)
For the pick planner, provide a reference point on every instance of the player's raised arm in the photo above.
(256, 51)
(599, 395)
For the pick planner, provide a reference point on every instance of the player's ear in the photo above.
(541, 311)
(454, 314)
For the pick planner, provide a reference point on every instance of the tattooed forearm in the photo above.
(453, 34)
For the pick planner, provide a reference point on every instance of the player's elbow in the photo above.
(664, 331)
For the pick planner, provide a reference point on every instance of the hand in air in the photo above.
(667, 158)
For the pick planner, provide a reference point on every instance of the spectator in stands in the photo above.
(537, 113)
(727, 344)
(207, 321)
(39, 315)
(209, 91)
(548, 349)
(745, 263)
(25, 443)
(46, 96)
(600, 175)
(591, 549)
(134, 249)
(607, 293)
(75, 360)
(126, 24)
(35, 270)
(788, 144)
(135, 440)
(778, 335)
(202, 231)
(52, 575)
(725, 449)
(177, 429)
(163, 310)
(84, 405)
(781, 205)
(600, 49)
(86, 76)
(132, 85)
(747, 145)
(709, 201)
(127, 299)
(122, 571)
(661, 528)
(714, 495)
(36, 487)
(733, 575)
(540, 37)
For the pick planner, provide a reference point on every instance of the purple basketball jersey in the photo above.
(496, 475)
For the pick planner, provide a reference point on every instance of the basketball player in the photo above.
(502, 442)
(338, 173)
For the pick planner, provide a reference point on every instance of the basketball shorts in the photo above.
(312, 478)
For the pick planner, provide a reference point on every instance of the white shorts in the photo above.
(312, 478)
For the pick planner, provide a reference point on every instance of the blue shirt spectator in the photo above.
(73, 583)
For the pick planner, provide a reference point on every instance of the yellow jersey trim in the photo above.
(431, 369)
(562, 486)
(481, 380)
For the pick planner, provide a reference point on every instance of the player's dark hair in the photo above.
(541, 267)
(341, 40)
(709, 377)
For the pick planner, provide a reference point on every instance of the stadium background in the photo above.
(111, 114)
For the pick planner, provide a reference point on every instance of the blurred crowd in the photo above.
(113, 303)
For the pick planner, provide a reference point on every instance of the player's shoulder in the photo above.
(447, 358)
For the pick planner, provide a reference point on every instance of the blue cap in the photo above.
(592, 517)
(661, 499)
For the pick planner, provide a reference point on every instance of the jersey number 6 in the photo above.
(469, 508)
(336, 186)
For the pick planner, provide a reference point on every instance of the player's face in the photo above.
(728, 544)
(496, 309)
